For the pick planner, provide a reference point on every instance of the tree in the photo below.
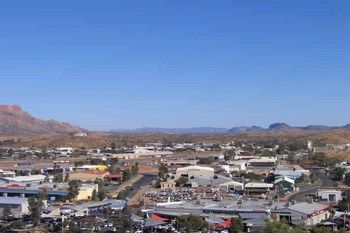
(192, 223)
(347, 179)
(113, 147)
(94, 195)
(126, 174)
(73, 188)
(72, 226)
(237, 226)
(280, 226)
(66, 178)
(162, 171)
(113, 168)
(16, 225)
(344, 204)
(338, 173)
(181, 181)
(58, 178)
(327, 230)
(101, 194)
(229, 155)
(47, 179)
(207, 161)
(6, 212)
(135, 169)
(36, 206)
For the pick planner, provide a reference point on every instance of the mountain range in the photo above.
(15, 121)
(239, 129)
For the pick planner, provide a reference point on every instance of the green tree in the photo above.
(113, 147)
(347, 179)
(237, 226)
(126, 174)
(101, 194)
(113, 168)
(16, 225)
(6, 212)
(66, 178)
(36, 206)
(94, 195)
(162, 171)
(229, 155)
(181, 181)
(280, 227)
(134, 169)
(337, 173)
(192, 223)
(73, 188)
(58, 178)
(206, 161)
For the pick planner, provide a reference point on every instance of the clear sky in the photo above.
(128, 64)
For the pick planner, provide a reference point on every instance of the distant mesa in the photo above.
(15, 121)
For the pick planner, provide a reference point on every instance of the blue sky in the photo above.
(128, 64)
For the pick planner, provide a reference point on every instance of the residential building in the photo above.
(284, 184)
(305, 213)
(257, 188)
(330, 195)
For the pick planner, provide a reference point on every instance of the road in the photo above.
(324, 181)
(132, 189)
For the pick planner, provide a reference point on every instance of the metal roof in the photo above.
(13, 200)
(307, 208)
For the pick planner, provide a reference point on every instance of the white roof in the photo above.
(271, 160)
(195, 168)
(13, 200)
(258, 185)
(25, 178)
(231, 183)
(307, 208)
(284, 178)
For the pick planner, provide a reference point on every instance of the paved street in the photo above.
(324, 181)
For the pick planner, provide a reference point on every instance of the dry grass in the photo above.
(97, 139)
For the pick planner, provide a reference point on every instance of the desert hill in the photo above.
(15, 121)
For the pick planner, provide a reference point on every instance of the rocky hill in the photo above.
(15, 121)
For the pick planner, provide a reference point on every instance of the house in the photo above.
(284, 184)
(257, 188)
(329, 195)
(194, 171)
(305, 213)
(294, 175)
(17, 206)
